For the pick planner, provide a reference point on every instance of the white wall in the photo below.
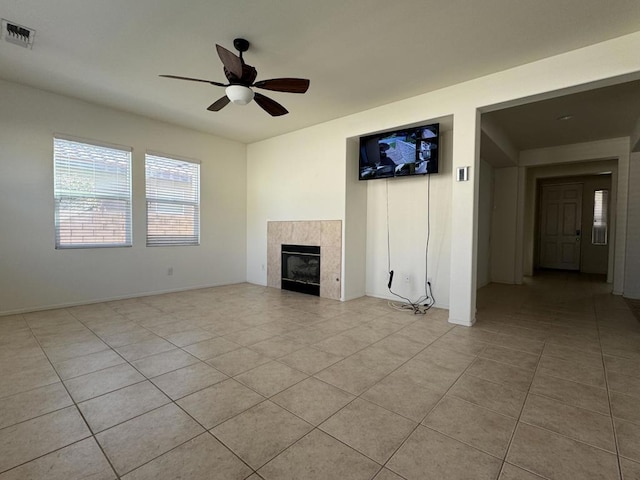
(298, 176)
(635, 137)
(485, 207)
(354, 285)
(413, 211)
(632, 267)
(319, 153)
(34, 275)
(504, 225)
(305, 175)
(501, 152)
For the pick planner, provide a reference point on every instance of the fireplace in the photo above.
(326, 234)
(301, 269)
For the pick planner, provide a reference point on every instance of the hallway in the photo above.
(583, 402)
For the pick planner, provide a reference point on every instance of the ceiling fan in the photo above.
(242, 77)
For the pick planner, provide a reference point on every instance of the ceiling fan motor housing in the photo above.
(249, 75)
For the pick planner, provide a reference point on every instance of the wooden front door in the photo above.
(560, 226)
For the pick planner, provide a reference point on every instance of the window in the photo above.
(600, 207)
(92, 194)
(173, 201)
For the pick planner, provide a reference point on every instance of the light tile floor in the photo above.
(245, 382)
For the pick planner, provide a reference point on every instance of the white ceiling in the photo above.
(359, 54)
(596, 114)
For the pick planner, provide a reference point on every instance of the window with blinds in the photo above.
(173, 201)
(600, 207)
(92, 194)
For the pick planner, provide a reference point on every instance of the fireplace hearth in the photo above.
(301, 269)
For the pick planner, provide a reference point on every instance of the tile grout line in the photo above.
(358, 396)
(426, 414)
(316, 427)
(145, 379)
(355, 398)
(171, 401)
(564, 435)
(94, 435)
(75, 404)
(175, 401)
(208, 430)
(434, 407)
(524, 403)
(606, 380)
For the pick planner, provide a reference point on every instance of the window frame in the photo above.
(102, 194)
(601, 223)
(173, 241)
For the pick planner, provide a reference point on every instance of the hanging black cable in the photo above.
(415, 307)
(428, 294)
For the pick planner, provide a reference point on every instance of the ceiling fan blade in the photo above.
(272, 107)
(194, 80)
(291, 85)
(219, 104)
(230, 60)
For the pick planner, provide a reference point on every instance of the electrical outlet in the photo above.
(170, 271)
(429, 280)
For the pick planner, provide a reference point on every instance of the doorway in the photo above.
(573, 224)
(560, 226)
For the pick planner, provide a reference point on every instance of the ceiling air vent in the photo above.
(18, 34)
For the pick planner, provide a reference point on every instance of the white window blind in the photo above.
(92, 190)
(173, 201)
(600, 207)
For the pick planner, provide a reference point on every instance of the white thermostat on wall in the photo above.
(462, 174)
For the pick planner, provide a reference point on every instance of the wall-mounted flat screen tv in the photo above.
(400, 153)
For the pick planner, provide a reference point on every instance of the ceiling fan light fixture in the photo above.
(239, 94)
(241, 77)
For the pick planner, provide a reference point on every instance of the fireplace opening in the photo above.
(301, 269)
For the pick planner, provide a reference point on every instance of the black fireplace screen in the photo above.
(301, 268)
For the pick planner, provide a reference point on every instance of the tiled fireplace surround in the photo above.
(324, 233)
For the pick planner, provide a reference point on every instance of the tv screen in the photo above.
(401, 153)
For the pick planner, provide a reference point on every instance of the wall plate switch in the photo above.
(462, 174)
